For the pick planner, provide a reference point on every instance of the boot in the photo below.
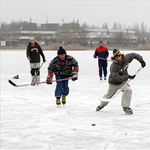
(99, 108)
(34, 80)
(128, 110)
(63, 100)
(102, 105)
(58, 102)
(38, 78)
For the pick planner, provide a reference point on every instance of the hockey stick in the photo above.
(105, 59)
(118, 91)
(37, 72)
(12, 83)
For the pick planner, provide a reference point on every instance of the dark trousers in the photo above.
(102, 67)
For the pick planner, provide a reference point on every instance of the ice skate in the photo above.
(128, 110)
(99, 108)
(63, 100)
(58, 102)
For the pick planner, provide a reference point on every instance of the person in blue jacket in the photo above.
(102, 53)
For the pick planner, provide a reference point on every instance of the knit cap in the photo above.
(116, 53)
(32, 38)
(61, 51)
(101, 42)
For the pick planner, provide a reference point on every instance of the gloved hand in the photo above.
(49, 80)
(143, 64)
(75, 77)
(132, 77)
(120, 73)
(29, 58)
(44, 60)
(94, 56)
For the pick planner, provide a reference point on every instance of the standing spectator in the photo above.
(33, 54)
(63, 66)
(102, 53)
(118, 77)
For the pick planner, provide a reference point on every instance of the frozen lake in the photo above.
(30, 119)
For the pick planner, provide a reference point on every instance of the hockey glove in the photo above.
(29, 58)
(132, 77)
(44, 60)
(120, 73)
(75, 77)
(94, 56)
(49, 80)
(143, 64)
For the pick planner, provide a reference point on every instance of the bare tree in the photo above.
(114, 26)
(105, 26)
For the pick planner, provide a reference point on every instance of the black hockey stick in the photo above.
(12, 83)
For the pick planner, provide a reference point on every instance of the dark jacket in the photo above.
(33, 53)
(118, 70)
(66, 68)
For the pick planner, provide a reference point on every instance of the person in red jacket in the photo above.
(102, 53)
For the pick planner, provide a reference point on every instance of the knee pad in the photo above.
(32, 71)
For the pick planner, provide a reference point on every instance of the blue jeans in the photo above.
(102, 67)
(62, 88)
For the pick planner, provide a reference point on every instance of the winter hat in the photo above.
(116, 53)
(32, 39)
(61, 51)
(101, 42)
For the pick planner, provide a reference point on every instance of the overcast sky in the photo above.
(92, 12)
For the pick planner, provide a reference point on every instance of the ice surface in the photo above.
(30, 119)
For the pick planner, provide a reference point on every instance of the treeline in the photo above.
(141, 30)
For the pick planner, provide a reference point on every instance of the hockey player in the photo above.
(118, 77)
(33, 54)
(63, 66)
(102, 53)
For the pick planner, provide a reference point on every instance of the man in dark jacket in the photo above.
(102, 53)
(63, 66)
(118, 77)
(33, 54)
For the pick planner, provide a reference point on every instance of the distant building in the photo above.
(3, 43)
(70, 26)
(50, 27)
(111, 36)
(68, 33)
(11, 43)
(27, 26)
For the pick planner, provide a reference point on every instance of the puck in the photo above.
(93, 124)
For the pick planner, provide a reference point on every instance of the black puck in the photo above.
(93, 124)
